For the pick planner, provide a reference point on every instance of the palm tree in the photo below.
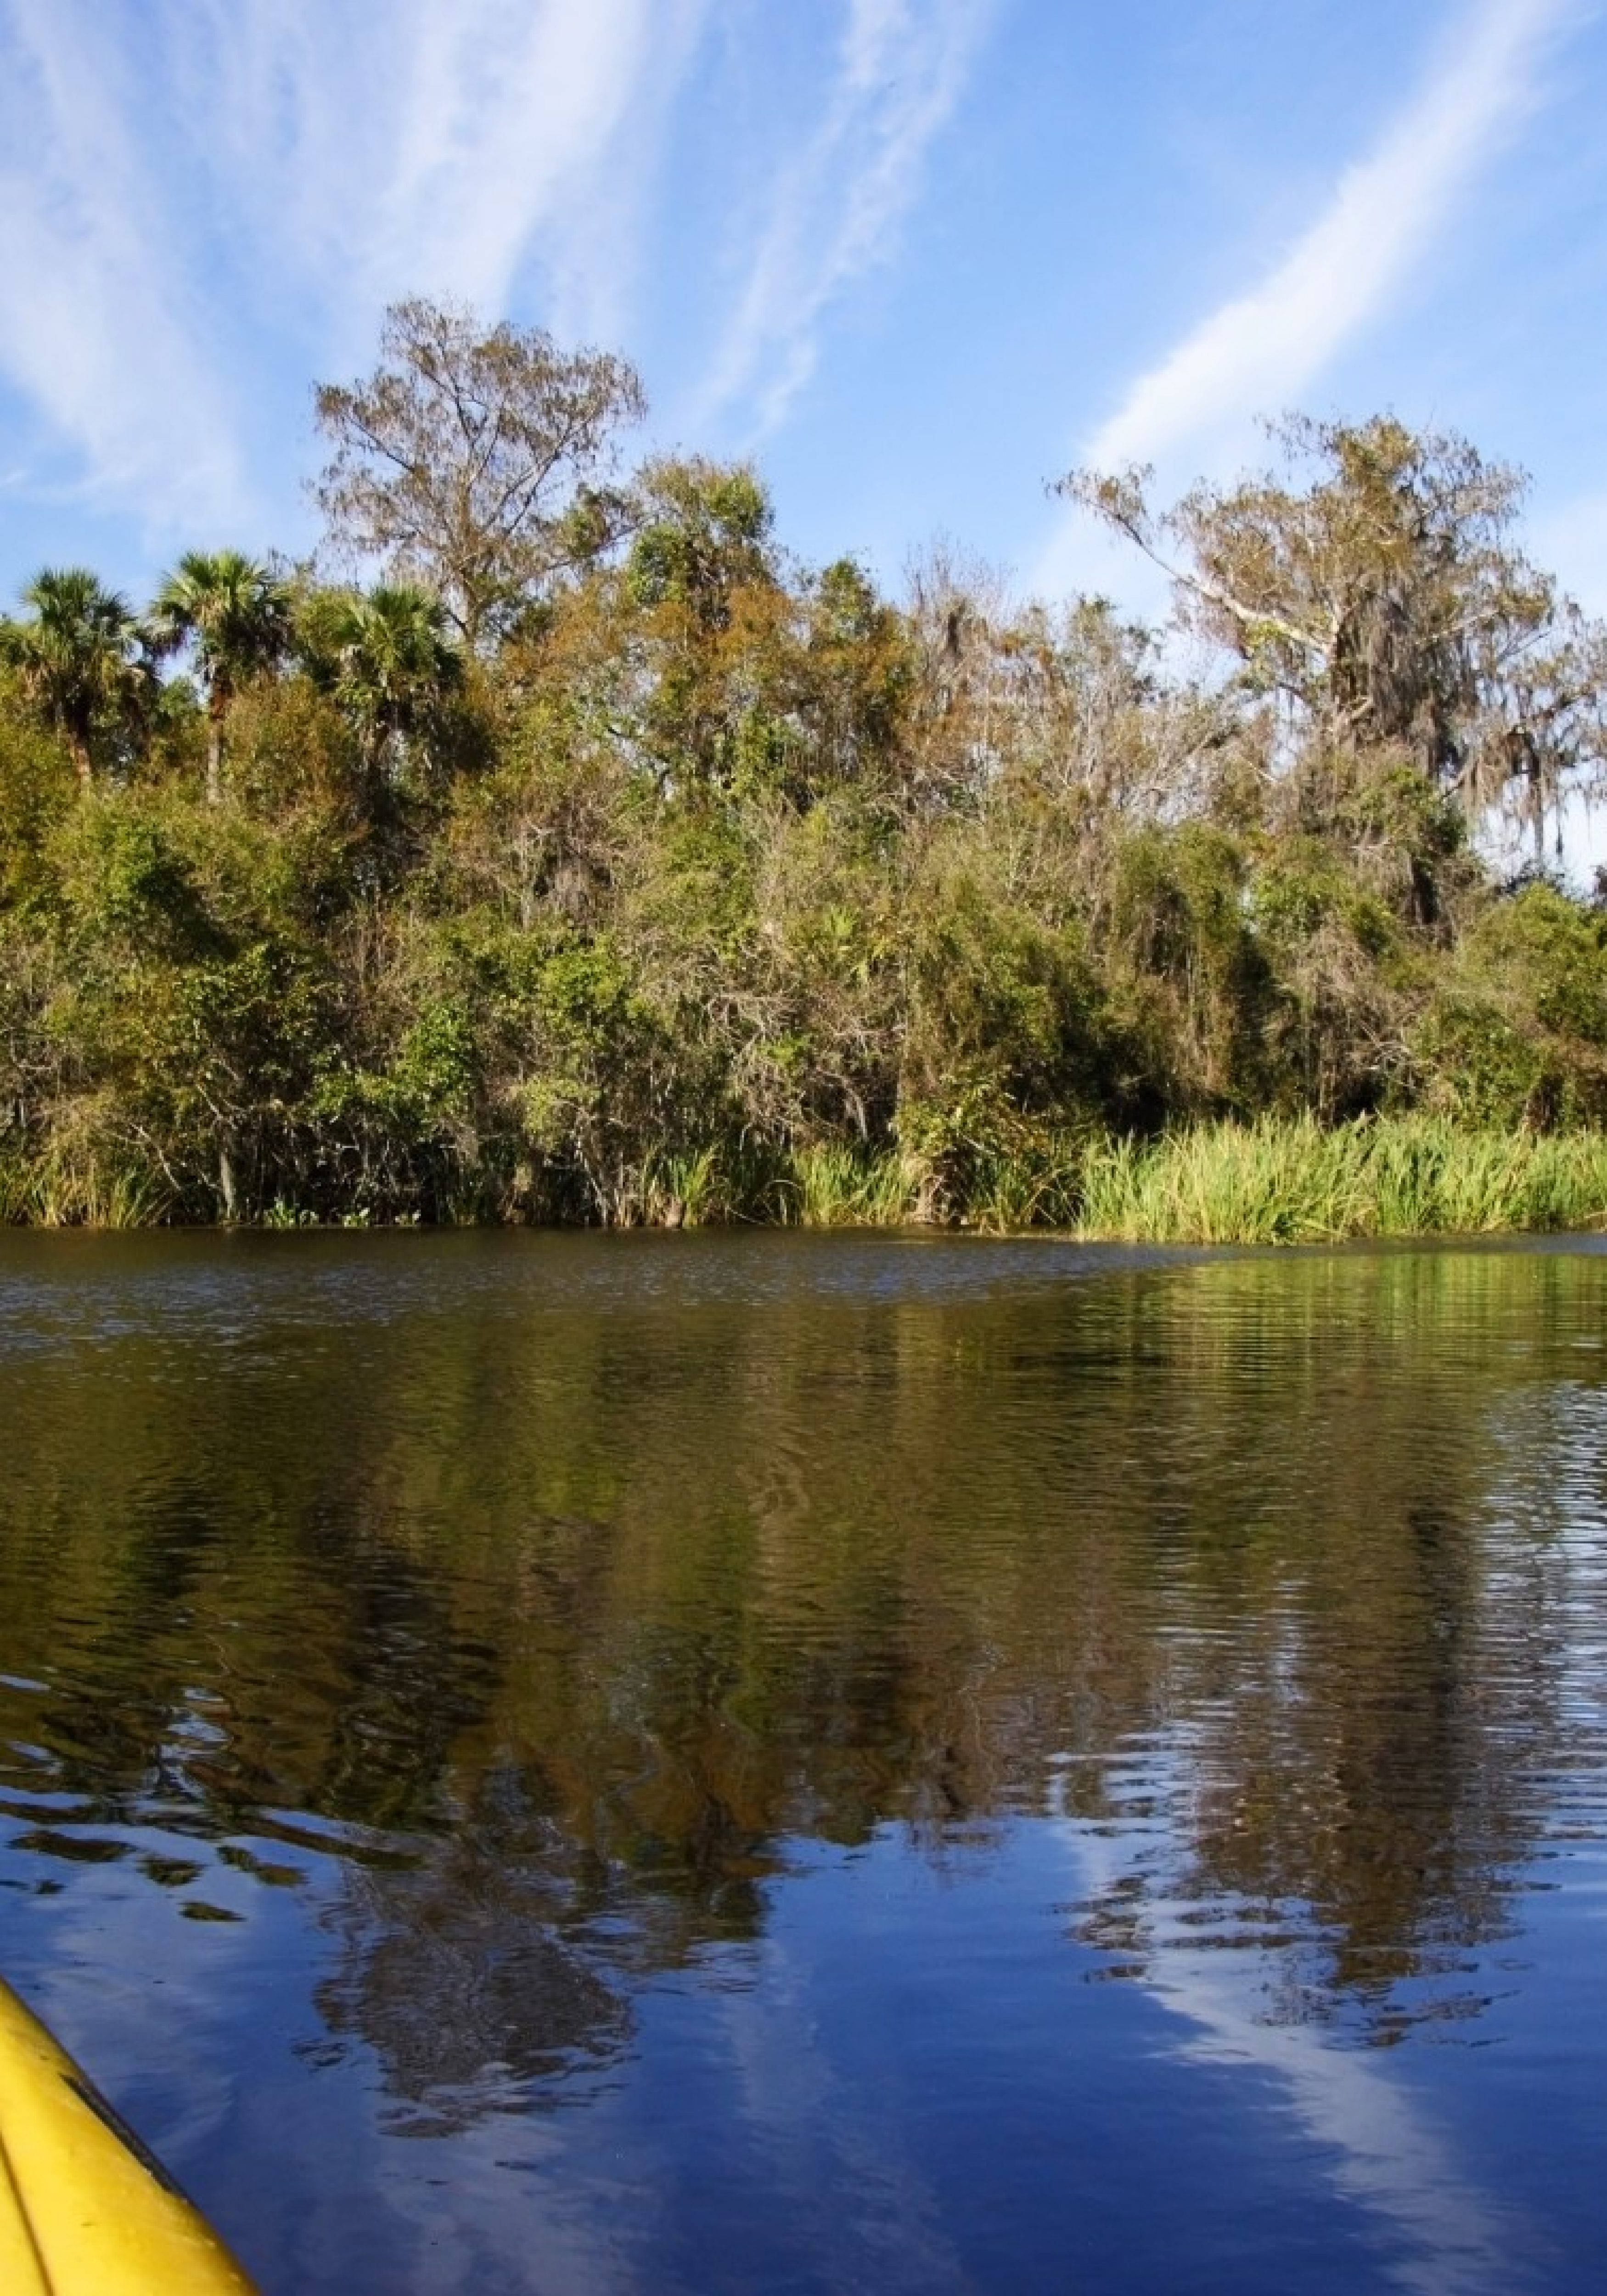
(387, 660)
(81, 660)
(235, 614)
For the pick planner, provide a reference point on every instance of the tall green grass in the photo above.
(81, 1191)
(834, 1185)
(1291, 1181)
(16, 1192)
(1277, 1180)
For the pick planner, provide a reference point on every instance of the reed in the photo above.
(16, 1193)
(1292, 1181)
(84, 1191)
(1274, 1181)
(1037, 1188)
(830, 1185)
(690, 1191)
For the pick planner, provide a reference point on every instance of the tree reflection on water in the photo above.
(556, 1629)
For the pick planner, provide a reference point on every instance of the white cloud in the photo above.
(184, 187)
(205, 203)
(409, 148)
(1385, 2154)
(1261, 350)
(1380, 2148)
(835, 213)
(96, 329)
(592, 268)
(504, 112)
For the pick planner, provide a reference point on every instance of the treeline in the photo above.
(597, 861)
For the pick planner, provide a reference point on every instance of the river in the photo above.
(727, 1762)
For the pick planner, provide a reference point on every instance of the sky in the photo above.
(914, 258)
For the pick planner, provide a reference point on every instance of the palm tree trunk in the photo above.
(216, 706)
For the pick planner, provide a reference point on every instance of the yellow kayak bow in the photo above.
(84, 2210)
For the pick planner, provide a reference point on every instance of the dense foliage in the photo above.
(600, 862)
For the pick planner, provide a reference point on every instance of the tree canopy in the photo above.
(234, 616)
(387, 658)
(82, 658)
(475, 461)
(1374, 583)
(602, 860)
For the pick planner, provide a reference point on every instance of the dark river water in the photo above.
(721, 1763)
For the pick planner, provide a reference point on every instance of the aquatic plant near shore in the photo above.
(1291, 1181)
(86, 1191)
(831, 1185)
(1273, 1181)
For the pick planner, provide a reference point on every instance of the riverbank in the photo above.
(1272, 1181)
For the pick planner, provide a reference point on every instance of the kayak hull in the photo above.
(84, 2210)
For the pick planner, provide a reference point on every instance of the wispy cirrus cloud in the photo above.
(835, 214)
(205, 203)
(180, 184)
(98, 332)
(413, 147)
(1382, 2148)
(1260, 351)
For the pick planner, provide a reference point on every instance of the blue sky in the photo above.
(913, 255)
